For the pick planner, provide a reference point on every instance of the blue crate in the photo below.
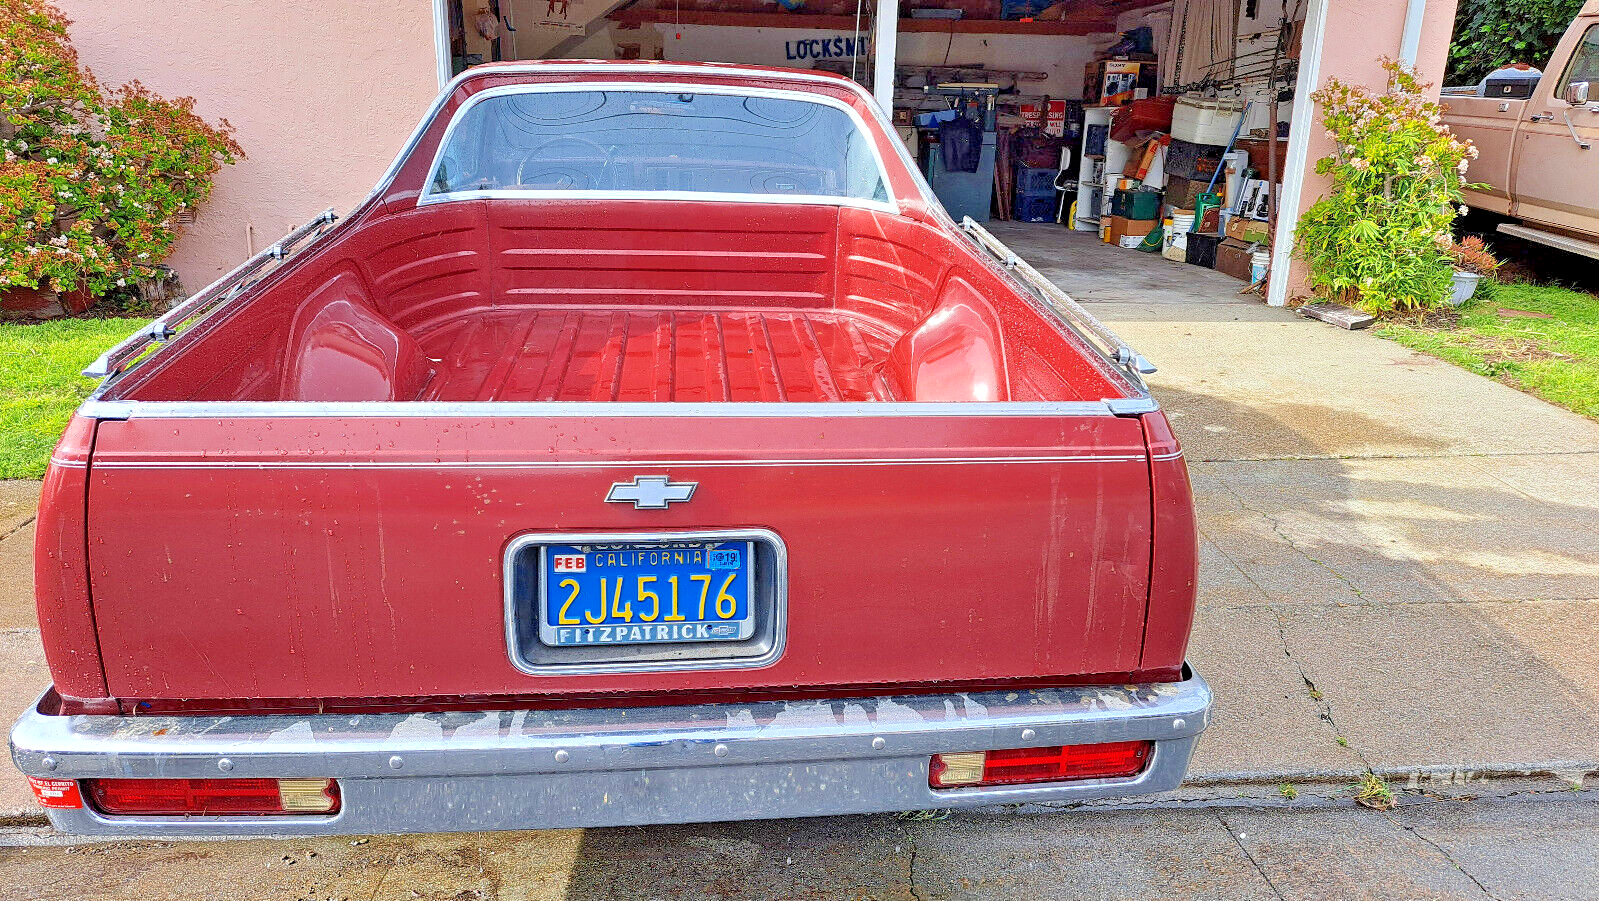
(1031, 182)
(1035, 209)
(1023, 9)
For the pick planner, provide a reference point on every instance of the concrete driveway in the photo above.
(1395, 552)
(1400, 572)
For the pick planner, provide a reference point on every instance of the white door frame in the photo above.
(441, 42)
(1298, 162)
(884, 50)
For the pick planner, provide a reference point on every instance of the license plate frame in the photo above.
(567, 628)
(524, 605)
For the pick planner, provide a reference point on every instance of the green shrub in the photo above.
(91, 181)
(1494, 33)
(1380, 238)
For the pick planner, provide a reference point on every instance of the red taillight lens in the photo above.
(1020, 766)
(213, 797)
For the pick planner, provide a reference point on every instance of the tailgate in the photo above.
(365, 556)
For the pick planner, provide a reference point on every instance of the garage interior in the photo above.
(1158, 130)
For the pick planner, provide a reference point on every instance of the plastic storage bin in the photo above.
(1201, 121)
(1185, 159)
(1147, 115)
(1035, 209)
(1031, 182)
(1201, 250)
(1136, 204)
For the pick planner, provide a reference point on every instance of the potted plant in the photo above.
(1380, 238)
(92, 181)
(1473, 262)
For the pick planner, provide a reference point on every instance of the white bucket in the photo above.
(1174, 243)
(1259, 263)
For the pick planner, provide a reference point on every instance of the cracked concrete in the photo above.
(1408, 542)
(1427, 848)
(1443, 852)
(1238, 840)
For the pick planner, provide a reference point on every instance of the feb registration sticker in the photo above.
(646, 593)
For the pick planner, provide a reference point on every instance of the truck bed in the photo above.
(588, 353)
(514, 302)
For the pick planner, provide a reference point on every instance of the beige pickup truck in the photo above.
(1538, 157)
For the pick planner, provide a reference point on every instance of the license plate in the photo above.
(646, 593)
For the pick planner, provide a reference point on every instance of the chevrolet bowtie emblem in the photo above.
(651, 492)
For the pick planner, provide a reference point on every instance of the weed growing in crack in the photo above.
(917, 816)
(1372, 791)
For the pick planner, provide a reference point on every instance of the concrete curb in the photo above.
(23, 817)
(1568, 772)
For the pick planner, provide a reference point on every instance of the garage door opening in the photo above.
(1093, 129)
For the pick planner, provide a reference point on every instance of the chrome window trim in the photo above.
(779, 601)
(578, 68)
(428, 197)
(123, 410)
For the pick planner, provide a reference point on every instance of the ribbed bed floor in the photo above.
(615, 354)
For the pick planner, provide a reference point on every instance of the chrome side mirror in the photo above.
(1577, 93)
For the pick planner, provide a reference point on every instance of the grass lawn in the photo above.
(1544, 341)
(40, 385)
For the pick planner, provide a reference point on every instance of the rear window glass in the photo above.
(634, 141)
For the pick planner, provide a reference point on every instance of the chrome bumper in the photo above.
(448, 772)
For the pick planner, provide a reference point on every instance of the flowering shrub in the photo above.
(91, 181)
(1380, 239)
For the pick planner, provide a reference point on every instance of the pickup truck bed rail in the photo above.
(216, 295)
(1108, 344)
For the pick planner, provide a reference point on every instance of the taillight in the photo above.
(1021, 766)
(213, 797)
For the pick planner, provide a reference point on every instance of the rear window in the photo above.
(647, 141)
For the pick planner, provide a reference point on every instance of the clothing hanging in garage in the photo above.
(960, 140)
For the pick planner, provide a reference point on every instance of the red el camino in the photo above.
(650, 447)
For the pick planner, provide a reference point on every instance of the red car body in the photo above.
(299, 516)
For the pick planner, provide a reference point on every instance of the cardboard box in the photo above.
(1232, 257)
(1183, 193)
(1121, 226)
(1113, 82)
(1248, 230)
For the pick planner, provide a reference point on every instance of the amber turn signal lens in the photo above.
(1023, 766)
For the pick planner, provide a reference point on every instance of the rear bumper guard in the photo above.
(471, 771)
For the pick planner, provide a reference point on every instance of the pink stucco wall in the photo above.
(323, 94)
(1359, 34)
